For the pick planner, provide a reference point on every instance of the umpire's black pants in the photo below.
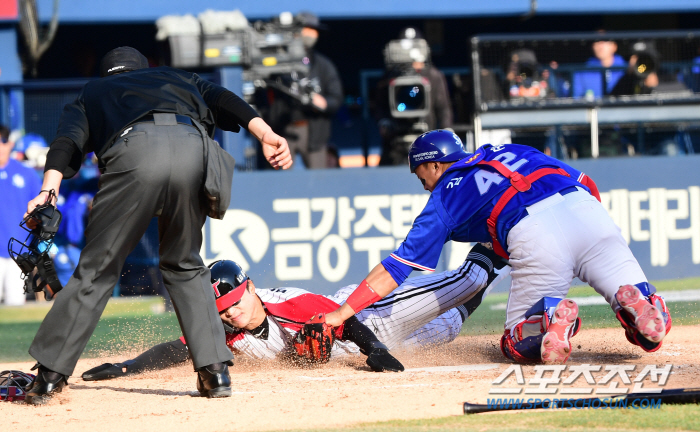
(154, 169)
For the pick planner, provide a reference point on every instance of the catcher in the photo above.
(270, 323)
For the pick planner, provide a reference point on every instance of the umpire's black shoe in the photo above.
(45, 385)
(213, 381)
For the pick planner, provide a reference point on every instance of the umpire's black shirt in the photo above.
(107, 105)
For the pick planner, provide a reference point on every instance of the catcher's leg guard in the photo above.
(543, 337)
(643, 315)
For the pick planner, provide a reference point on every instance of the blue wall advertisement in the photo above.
(321, 230)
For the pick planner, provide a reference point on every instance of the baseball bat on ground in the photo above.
(670, 396)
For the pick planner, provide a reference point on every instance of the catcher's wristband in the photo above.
(362, 297)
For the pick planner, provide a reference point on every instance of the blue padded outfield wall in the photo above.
(321, 230)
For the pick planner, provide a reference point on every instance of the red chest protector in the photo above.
(518, 183)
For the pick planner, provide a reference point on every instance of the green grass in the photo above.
(665, 285)
(668, 418)
(125, 326)
(127, 306)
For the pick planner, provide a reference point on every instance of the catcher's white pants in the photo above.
(561, 238)
(11, 283)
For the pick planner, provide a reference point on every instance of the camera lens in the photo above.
(409, 97)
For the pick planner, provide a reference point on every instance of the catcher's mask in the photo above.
(32, 255)
(13, 385)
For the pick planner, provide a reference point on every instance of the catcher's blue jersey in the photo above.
(464, 198)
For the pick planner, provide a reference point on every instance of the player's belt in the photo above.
(568, 190)
(181, 119)
(518, 183)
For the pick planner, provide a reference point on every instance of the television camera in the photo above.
(271, 54)
(409, 91)
(408, 96)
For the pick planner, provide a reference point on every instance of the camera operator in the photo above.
(642, 76)
(307, 127)
(524, 78)
(398, 133)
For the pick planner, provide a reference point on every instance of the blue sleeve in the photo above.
(422, 247)
(398, 270)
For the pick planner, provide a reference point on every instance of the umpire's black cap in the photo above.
(122, 59)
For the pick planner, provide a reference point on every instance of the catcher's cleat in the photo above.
(214, 381)
(556, 348)
(45, 385)
(647, 318)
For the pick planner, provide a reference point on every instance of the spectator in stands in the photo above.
(75, 209)
(597, 83)
(18, 184)
(641, 76)
(308, 127)
(644, 77)
(525, 78)
(644, 74)
(32, 149)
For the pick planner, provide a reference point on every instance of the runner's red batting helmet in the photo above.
(228, 281)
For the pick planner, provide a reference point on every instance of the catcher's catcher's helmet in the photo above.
(229, 281)
(13, 384)
(435, 146)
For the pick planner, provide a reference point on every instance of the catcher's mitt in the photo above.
(314, 341)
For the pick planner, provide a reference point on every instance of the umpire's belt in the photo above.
(166, 119)
(180, 119)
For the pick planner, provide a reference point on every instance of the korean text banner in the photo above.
(324, 229)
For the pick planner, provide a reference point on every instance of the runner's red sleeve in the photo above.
(362, 297)
(590, 184)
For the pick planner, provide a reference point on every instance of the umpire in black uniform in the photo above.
(148, 128)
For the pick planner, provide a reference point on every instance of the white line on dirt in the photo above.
(461, 368)
(435, 369)
(334, 388)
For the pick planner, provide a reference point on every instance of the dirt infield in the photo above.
(271, 396)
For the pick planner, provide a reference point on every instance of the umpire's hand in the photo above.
(274, 147)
